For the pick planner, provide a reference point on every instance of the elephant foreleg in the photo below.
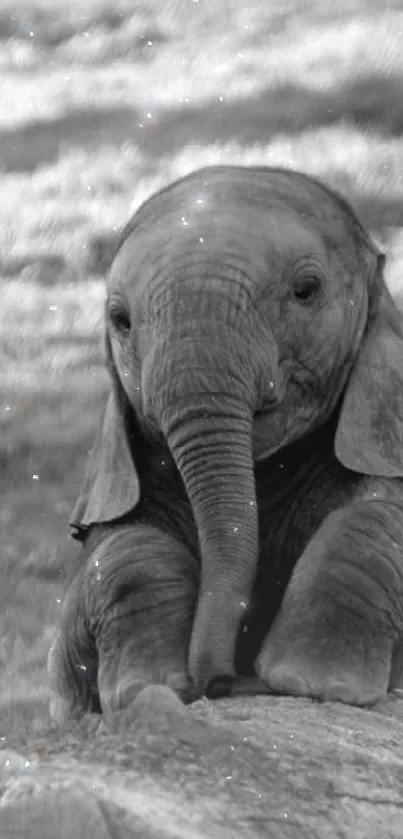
(340, 624)
(72, 660)
(141, 590)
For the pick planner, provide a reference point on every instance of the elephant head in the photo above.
(245, 307)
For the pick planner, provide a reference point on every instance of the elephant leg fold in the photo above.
(141, 596)
(72, 661)
(341, 620)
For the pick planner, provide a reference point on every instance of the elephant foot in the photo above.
(62, 710)
(155, 705)
(306, 657)
(157, 711)
(126, 691)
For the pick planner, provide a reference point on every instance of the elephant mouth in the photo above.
(267, 434)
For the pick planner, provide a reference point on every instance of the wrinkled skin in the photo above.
(242, 509)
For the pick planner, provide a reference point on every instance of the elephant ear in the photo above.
(111, 486)
(369, 436)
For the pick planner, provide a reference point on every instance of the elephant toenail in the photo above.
(155, 699)
(283, 680)
(219, 686)
(340, 691)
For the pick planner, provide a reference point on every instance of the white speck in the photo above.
(221, 98)
(162, 462)
(141, 125)
(149, 116)
(286, 815)
(240, 54)
(271, 385)
(375, 494)
(96, 563)
(89, 188)
(201, 239)
(26, 763)
(98, 577)
(351, 302)
(58, 600)
(252, 503)
(86, 34)
(7, 408)
(149, 43)
(228, 777)
(53, 308)
(31, 34)
(35, 477)
(199, 201)
(281, 466)
(82, 667)
(236, 529)
(184, 221)
(274, 747)
(243, 604)
(125, 373)
(232, 748)
(245, 739)
(291, 736)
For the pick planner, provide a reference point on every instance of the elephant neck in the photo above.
(296, 462)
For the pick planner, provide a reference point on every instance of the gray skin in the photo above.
(242, 509)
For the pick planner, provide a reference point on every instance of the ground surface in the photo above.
(100, 104)
(249, 767)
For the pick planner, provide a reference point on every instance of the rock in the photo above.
(257, 766)
(14, 764)
(65, 814)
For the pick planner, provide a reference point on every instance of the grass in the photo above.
(99, 107)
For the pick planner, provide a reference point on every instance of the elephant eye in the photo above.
(306, 289)
(120, 318)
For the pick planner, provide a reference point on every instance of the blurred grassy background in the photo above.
(100, 104)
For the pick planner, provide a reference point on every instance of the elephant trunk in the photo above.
(206, 417)
(216, 464)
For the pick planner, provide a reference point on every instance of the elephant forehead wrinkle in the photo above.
(213, 295)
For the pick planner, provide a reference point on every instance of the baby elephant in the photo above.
(242, 507)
